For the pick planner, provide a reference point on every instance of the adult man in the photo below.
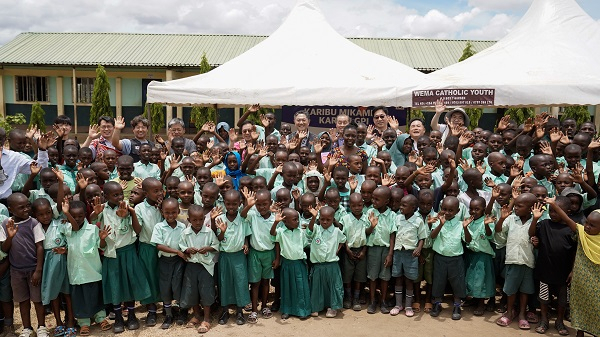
(100, 141)
(302, 121)
(140, 126)
(176, 128)
(456, 117)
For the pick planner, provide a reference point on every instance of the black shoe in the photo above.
(119, 325)
(347, 303)
(132, 322)
(181, 317)
(456, 313)
(437, 309)
(372, 308)
(167, 322)
(275, 306)
(224, 318)
(285, 316)
(384, 308)
(151, 319)
(239, 319)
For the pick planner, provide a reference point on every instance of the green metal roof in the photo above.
(173, 50)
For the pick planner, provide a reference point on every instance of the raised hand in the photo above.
(503, 123)
(515, 170)
(119, 123)
(537, 210)
(250, 150)
(279, 169)
(159, 139)
(97, 205)
(439, 147)
(440, 106)
(373, 220)
(31, 131)
(312, 166)
(264, 121)
(353, 182)
(65, 205)
(466, 222)
(123, 184)
(393, 122)
(465, 139)
(431, 219)
(379, 142)
(576, 173)
(302, 134)
(254, 134)
(528, 126)
(220, 179)
(233, 136)
(254, 108)
(46, 140)
(413, 156)
(318, 146)
(293, 143)
(480, 166)
(516, 191)
(489, 220)
(105, 232)
(546, 148)
(333, 160)
(505, 211)
(93, 132)
(313, 211)
(122, 212)
(221, 225)
(388, 180)
(489, 182)
(370, 130)
(463, 164)
(34, 168)
(594, 144)
(279, 216)
(555, 135)
(59, 130)
(495, 191)
(11, 228)
(215, 212)
(550, 201)
(82, 182)
(564, 139)
(296, 194)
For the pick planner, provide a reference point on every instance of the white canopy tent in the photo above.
(550, 58)
(305, 62)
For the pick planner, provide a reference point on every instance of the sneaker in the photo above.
(181, 317)
(331, 313)
(119, 325)
(372, 308)
(58, 331)
(347, 303)
(132, 322)
(384, 308)
(111, 316)
(167, 323)
(456, 313)
(356, 305)
(437, 309)
(42, 331)
(151, 319)
(27, 332)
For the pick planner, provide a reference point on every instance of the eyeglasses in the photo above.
(379, 117)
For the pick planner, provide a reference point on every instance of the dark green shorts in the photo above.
(354, 270)
(375, 259)
(260, 265)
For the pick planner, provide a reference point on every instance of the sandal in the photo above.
(253, 317)
(416, 307)
(524, 325)
(71, 332)
(193, 322)
(266, 312)
(396, 310)
(504, 321)
(105, 325)
(428, 307)
(59, 331)
(204, 327)
(542, 327)
(562, 330)
(532, 318)
(409, 312)
(84, 331)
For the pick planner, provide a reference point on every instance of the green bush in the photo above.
(37, 118)
(8, 122)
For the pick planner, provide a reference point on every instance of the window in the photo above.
(31, 89)
(85, 89)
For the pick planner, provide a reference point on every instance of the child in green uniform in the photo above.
(355, 262)
(125, 179)
(326, 288)
(426, 200)
(380, 252)
(149, 215)
(84, 268)
(121, 265)
(232, 231)
(171, 260)
(295, 295)
(262, 249)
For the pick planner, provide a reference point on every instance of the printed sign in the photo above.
(454, 97)
(324, 116)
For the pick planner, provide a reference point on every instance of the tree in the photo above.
(473, 113)
(414, 113)
(520, 115)
(201, 115)
(579, 113)
(7, 122)
(37, 117)
(156, 117)
(100, 98)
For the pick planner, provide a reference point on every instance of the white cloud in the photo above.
(500, 5)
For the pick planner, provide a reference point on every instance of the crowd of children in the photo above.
(215, 225)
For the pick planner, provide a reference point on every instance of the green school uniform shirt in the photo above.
(324, 244)
(291, 243)
(480, 242)
(496, 179)
(236, 232)
(204, 238)
(449, 240)
(2, 237)
(428, 240)
(409, 232)
(164, 234)
(70, 176)
(55, 235)
(140, 170)
(354, 230)
(83, 258)
(519, 249)
(340, 213)
(385, 227)
(114, 174)
(177, 173)
(148, 216)
(126, 191)
(122, 233)
(36, 194)
(548, 185)
(261, 227)
(499, 237)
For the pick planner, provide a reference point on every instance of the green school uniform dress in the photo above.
(481, 281)
(123, 278)
(326, 287)
(149, 216)
(170, 266)
(55, 279)
(233, 266)
(262, 248)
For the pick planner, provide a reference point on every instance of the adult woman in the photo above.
(100, 141)
(416, 129)
(343, 152)
(456, 117)
(140, 126)
(249, 137)
(380, 120)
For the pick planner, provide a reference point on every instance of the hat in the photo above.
(223, 125)
(463, 112)
(570, 190)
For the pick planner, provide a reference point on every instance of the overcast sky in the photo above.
(465, 19)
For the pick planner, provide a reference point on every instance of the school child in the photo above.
(171, 260)
(354, 269)
(586, 271)
(148, 214)
(110, 159)
(278, 158)
(448, 263)
(373, 173)
(210, 194)
(200, 244)
(396, 199)
(202, 177)
(101, 170)
(123, 279)
(524, 145)
(186, 198)
(481, 283)
(172, 187)
(542, 167)
(474, 181)
(69, 169)
(497, 168)
(295, 295)
(85, 156)
(125, 179)
(232, 231)
(428, 215)
(366, 191)
(24, 246)
(355, 167)
(173, 169)
(187, 167)
(333, 200)
(326, 288)
(556, 252)
(380, 251)
(144, 168)
(55, 280)
(520, 260)
(84, 268)
(262, 249)
(410, 236)
(47, 179)
(137, 196)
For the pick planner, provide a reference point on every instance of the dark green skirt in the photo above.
(87, 299)
(481, 281)
(55, 279)
(295, 294)
(122, 277)
(233, 279)
(326, 287)
(149, 261)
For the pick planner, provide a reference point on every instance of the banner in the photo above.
(454, 97)
(324, 116)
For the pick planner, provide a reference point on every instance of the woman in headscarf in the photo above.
(223, 131)
(325, 139)
(401, 149)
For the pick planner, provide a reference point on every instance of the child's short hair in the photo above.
(76, 204)
(63, 119)
(425, 192)
(341, 169)
(430, 151)
(332, 192)
(39, 202)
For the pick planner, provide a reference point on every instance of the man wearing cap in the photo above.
(457, 116)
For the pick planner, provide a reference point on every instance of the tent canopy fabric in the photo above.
(305, 62)
(550, 58)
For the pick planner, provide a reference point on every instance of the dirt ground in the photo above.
(347, 323)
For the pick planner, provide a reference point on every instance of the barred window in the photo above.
(85, 89)
(31, 89)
